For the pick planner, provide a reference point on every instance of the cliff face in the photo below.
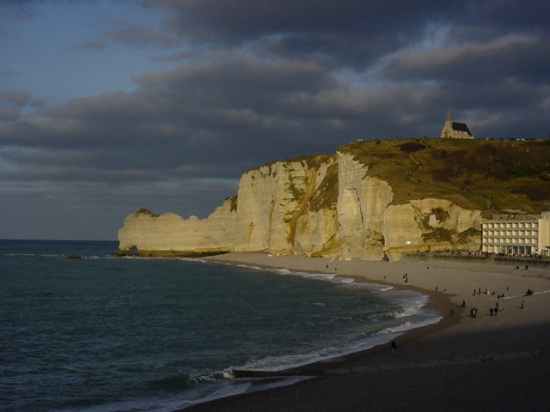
(170, 235)
(318, 206)
(273, 210)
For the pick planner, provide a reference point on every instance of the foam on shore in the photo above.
(459, 363)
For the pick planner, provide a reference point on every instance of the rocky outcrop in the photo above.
(362, 201)
(170, 235)
(273, 210)
(430, 225)
(316, 206)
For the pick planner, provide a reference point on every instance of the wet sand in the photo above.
(488, 363)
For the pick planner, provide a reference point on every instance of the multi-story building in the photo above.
(517, 235)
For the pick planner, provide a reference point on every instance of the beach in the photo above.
(497, 360)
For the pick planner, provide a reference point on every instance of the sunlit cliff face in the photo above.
(329, 206)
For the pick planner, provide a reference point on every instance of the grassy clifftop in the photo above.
(489, 175)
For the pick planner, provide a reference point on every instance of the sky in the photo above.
(107, 106)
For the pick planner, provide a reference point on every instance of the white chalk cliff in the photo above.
(326, 205)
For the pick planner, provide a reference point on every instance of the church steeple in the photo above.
(454, 130)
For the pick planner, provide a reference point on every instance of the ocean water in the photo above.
(107, 334)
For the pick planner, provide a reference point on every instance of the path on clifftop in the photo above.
(418, 169)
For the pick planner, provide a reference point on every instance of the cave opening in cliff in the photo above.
(133, 250)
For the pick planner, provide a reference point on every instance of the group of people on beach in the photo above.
(492, 311)
(495, 310)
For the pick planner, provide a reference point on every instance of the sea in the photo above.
(83, 330)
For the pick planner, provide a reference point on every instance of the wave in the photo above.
(205, 388)
(409, 313)
(363, 339)
(413, 306)
(332, 277)
(283, 362)
(406, 326)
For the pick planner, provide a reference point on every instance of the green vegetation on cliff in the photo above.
(489, 175)
(326, 195)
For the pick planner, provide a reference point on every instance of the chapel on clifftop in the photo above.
(454, 130)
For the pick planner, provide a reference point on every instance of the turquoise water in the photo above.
(103, 333)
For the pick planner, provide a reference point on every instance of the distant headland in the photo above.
(371, 200)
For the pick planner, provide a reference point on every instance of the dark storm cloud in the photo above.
(207, 119)
(286, 86)
(196, 114)
(211, 19)
(255, 18)
(353, 32)
(505, 16)
(225, 113)
(262, 80)
(511, 57)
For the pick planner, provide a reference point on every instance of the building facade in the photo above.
(454, 130)
(517, 235)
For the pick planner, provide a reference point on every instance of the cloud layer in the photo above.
(248, 82)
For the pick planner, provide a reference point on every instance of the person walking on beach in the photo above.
(393, 346)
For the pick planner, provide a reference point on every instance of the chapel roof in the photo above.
(461, 127)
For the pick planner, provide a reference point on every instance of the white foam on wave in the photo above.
(385, 288)
(34, 254)
(307, 275)
(412, 306)
(319, 276)
(283, 362)
(240, 386)
(412, 315)
(411, 325)
(314, 303)
(279, 363)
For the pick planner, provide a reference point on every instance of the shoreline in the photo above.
(438, 302)
(459, 343)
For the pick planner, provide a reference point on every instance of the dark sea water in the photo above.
(109, 334)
